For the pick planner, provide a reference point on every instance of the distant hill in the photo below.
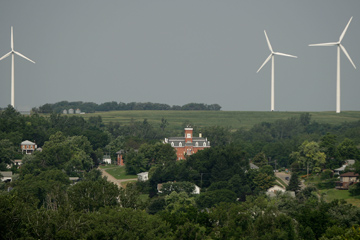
(232, 119)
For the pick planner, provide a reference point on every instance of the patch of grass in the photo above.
(281, 181)
(108, 166)
(124, 184)
(332, 194)
(119, 172)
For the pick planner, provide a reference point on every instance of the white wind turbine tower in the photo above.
(13, 52)
(339, 46)
(272, 54)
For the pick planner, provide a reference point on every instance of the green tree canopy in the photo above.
(309, 155)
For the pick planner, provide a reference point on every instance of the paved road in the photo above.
(283, 176)
(114, 180)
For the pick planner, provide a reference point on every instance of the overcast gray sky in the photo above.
(177, 52)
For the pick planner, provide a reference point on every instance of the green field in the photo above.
(117, 172)
(332, 194)
(232, 119)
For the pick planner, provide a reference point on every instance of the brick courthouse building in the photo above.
(187, 145)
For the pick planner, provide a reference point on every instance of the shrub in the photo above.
(326, 174)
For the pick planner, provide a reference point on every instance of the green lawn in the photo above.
(107, 166)
(281, 181)
(332, 194)
(119, 172)
(233, 119)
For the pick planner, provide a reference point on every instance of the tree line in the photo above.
(90, 107)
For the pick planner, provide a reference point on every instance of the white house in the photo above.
(106, 159)
(197, 189)
(143, 176)
(6, 176)
(28, 147)
(276, 189)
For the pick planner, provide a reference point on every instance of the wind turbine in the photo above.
(271, 56)
(339, 46)
(12, 53)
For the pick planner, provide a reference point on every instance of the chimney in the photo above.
(188, 134)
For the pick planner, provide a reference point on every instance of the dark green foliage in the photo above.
(211, 198)
(260, 159)
(149, 155)
(90, 107)
(348, 150)
(326, 174)
(354, 190)
(90, 196)
(38, 190)
(156, 204)
(294, 184)
(217, 164)
(7, 153)
(219, 136)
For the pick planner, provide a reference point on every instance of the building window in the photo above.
(172, 144)
(196, 144)
(189, 135)
(204, 144)
(180, 144)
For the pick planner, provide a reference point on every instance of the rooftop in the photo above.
(349, 174)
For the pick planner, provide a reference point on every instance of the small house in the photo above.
(143, 176)
(106, 159)
(196, 190)
(28, 147)
(346, 180)
(6, 176)
(276, 189)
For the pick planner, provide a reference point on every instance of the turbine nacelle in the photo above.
(271, 56)
(273, 53)
(337, 43)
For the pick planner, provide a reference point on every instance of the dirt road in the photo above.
(114, 180)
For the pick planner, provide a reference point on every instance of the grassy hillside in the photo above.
(233, 119)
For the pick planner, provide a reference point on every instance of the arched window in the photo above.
(180, 144)
(204, 144)
(196, 144)
(172, 144)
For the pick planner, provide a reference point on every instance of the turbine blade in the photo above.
(343, 33)
(264, 62)
(24, 56)
(283, 54)
(324, 44)
(348, 56)
(268, 42)
(12, 39)
(5, 56)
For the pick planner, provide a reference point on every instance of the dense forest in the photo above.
(42, 203)
(90, 107)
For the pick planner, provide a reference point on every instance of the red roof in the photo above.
(349, 174)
